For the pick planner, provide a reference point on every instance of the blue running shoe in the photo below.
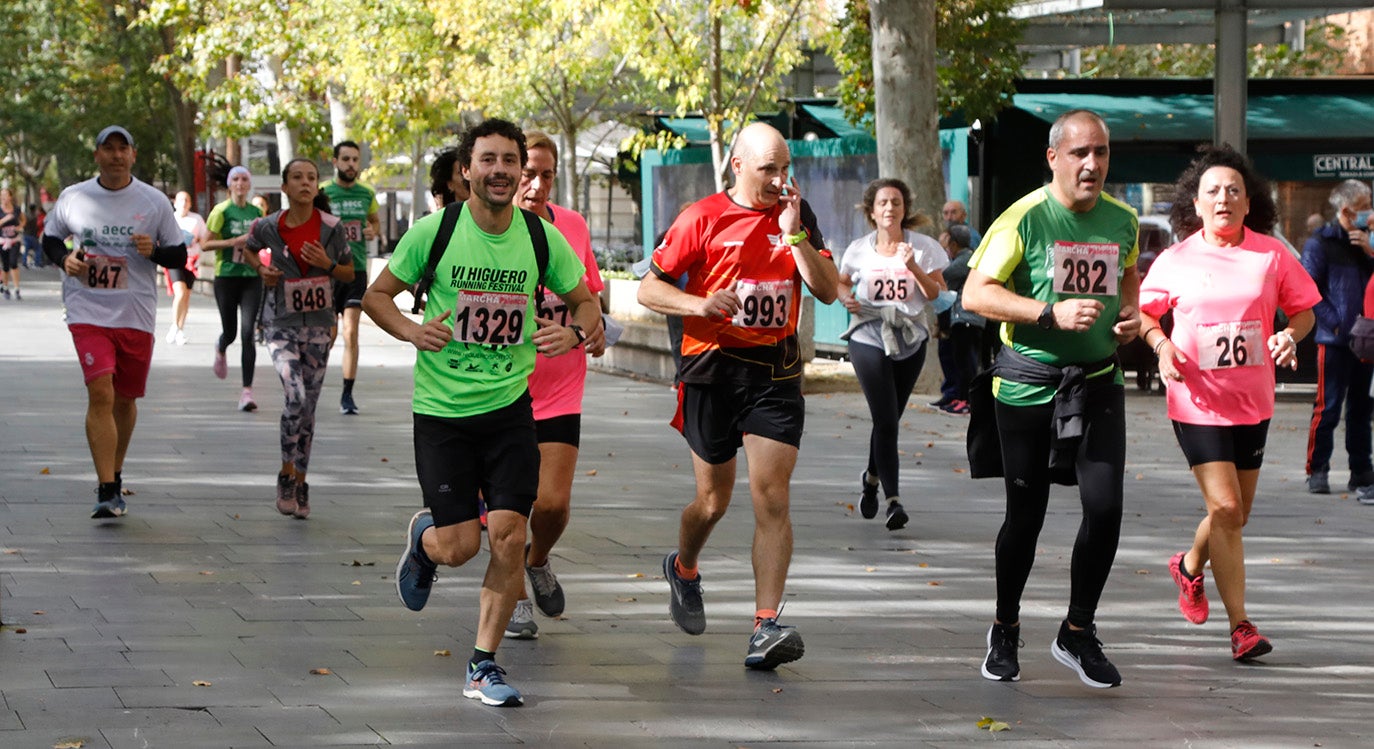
(109, 503)
(684, 598)
(415, 574)
(773, 645)
(487, 682)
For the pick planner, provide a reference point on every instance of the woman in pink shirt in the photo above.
(1223, 284)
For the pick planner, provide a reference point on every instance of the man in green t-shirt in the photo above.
(473, 422)
(356, 204)
(1057, 269)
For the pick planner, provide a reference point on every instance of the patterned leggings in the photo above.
(300, 356)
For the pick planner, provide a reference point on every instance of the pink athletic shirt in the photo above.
(557, 383)
(1224, 299)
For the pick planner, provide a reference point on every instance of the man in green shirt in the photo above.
(356, 204)
(473, 421)
(1057, 269)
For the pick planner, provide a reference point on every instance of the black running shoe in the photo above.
(868, 501)
(684, 599)
(1001, 663)
(1081, 651)
(896, 516)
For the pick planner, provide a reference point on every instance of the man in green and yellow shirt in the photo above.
(356, 204)
(1058, 270)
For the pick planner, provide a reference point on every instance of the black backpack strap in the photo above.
(451, 213)
(540, 240)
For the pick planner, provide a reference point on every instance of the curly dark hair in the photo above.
(491, 126)
(1263, 213)
(910, 221)
(440, 172)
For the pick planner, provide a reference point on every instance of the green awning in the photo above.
(1189, 117)
(832, 117)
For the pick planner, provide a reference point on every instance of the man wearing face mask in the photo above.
(1337, 256)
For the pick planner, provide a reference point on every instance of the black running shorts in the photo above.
(1205, 443)
(715, 418)
(495, 453)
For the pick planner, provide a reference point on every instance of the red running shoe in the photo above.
(1247, 643)
(1192, 599)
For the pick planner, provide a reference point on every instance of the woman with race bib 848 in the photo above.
(308, 254)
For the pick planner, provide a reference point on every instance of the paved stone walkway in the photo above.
(204, 583)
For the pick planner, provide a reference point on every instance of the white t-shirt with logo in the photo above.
(121, 291)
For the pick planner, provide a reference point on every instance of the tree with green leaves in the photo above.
(1322, 51)
(563, 64)
(72, 66)
(976, 58)
(726, 59)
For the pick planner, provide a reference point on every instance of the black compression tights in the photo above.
(887, 385)
(1026, 432)
(239, 297)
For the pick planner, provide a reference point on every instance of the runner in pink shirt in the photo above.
(556, 389)
(1223, 283)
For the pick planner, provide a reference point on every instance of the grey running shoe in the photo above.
(1317, 483)
(548, 594)
(1081, 651)
(1001, 663)
(772, 645)
(415, 573)
(521, 625)
(1365, 495)
(487, 682)
(108, 502)
(684, 599)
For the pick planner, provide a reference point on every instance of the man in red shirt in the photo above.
(745, 252)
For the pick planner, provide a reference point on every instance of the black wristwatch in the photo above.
(577, 331)
(1046, 319)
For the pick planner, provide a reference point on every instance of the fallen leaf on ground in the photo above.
(993, 725)
(591, 472)
(961, 470)
(1142, 572)
(40, 612)
(923, 564)
(45, 472)
(933, 583)
(626, 599)
(1140, 477)
(637, 574)
(849, 506)
(356, 582)
(20, 630)
(70, 744)
(443, 653)
(200, 683)
(386, 460)
(320, 672)
(777, 690)
(930, 444)
(870, 569)
(207, 572)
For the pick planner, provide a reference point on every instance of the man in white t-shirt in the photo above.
(122, 229)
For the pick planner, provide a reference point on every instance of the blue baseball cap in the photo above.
(113, 130)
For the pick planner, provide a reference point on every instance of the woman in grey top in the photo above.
(306, 246)
(886, 278)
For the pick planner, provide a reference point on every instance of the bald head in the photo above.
(761, 162)
(953, 213)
